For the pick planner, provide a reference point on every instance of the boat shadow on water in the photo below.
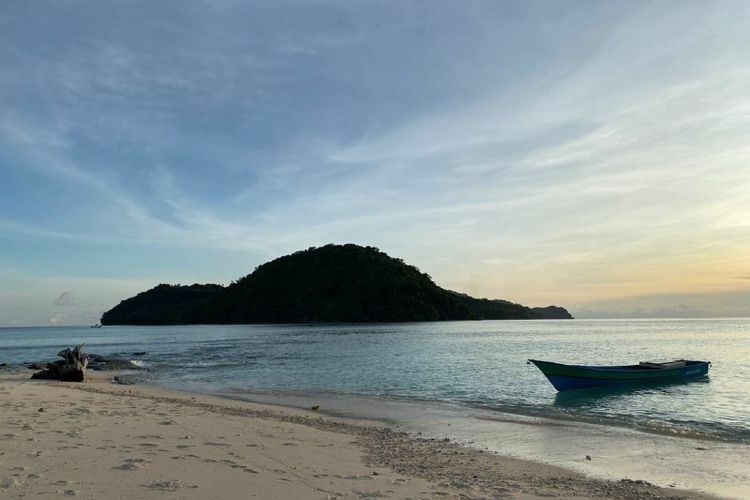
(584, 397)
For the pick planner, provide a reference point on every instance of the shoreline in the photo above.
(292, 398)
(316, 456)
(616, 453)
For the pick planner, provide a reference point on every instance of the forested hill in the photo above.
(333, 283)
(163, 305)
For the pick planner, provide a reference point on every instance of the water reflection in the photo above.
(595, 395)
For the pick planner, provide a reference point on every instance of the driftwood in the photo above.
(72, 368)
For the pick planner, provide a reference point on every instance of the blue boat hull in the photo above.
(572, 377)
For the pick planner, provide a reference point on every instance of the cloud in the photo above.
(65, 299)
(728, 303)
(25, 297)
(56, 319)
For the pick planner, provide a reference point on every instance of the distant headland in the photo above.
(332, 283)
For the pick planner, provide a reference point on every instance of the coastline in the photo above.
(668, 460)
(98, 440)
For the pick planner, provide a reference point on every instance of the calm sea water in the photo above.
(469, 364)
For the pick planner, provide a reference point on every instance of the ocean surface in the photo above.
(469, 381)
(479, 365)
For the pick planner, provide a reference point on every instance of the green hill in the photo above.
(333, 283)
(503, 309)
(163, 305)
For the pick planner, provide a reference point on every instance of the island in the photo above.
(333, 283)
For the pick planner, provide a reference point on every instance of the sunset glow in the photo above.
(584, 154)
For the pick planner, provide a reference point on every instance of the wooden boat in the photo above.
(568, 377)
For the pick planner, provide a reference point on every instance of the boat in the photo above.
(568, 377)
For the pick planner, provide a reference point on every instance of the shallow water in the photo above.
(478, 365)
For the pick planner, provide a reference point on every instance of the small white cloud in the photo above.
(65, 299)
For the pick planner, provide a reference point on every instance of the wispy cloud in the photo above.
(568, 154)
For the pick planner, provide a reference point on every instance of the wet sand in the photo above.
(98, 440)
(616, 453)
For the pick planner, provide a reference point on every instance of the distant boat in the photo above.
(568, 377)
(96, 326)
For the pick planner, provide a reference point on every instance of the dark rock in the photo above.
(72, 368)
(134, 378)
(110, 363)
(96, 362)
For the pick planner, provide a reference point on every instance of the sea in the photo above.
(470, 382)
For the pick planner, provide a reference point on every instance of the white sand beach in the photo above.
(101, 441)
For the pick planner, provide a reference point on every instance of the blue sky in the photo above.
(588, 154)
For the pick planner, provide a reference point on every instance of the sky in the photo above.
(593, 155)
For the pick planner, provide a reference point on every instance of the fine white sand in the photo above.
(101, 441)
